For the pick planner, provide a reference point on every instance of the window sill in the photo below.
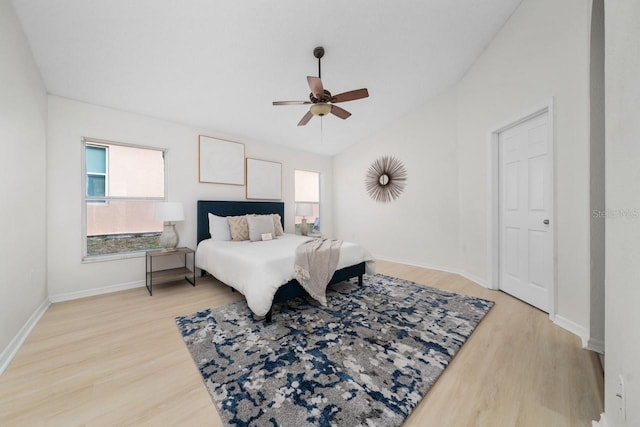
(112, 257)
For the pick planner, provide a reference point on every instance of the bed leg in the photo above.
(269, 316)
(359, 279)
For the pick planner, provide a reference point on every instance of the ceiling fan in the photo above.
(321, 100)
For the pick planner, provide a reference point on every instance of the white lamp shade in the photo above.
(304, 209)
(169, 211)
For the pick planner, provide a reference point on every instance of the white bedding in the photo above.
(258, 269)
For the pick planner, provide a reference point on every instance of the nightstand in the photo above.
(171, 274)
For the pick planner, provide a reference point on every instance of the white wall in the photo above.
(541, 52)
(70, 120)
(622, 292)
(23, 120)
(420, 227)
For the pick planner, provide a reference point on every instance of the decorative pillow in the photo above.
(239, 227)
(259, 224)
(277, 224)
(219, 228)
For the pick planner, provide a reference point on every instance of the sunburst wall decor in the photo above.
(385, 179)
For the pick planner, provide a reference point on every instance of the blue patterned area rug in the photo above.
(366, 359)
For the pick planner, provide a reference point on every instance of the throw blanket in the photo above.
(316, 261)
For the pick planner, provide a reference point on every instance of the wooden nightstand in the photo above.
(170, 274)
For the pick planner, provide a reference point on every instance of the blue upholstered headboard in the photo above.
(231, 208)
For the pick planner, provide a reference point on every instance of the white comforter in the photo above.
(258, 269)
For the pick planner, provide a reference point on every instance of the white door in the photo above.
(526, 197)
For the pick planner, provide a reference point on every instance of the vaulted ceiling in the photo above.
(218, 64)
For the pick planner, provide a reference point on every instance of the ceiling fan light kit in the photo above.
(320, 99)
(320, 109)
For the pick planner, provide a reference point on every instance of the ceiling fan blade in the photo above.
(305, 119)
(291, 102)
(340, 112)
(315, 84)
(350, 96)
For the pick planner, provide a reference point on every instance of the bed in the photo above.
(263, 271)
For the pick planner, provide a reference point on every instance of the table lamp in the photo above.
(169, 212)
(304, 210)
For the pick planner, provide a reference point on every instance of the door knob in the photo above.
(546, 221)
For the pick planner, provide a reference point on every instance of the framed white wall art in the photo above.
(220, 161)
(264, 180)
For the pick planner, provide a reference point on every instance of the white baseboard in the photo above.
(12, 349)
(564, 323)
(462, 273)
(572, 327)
(596, 345)
(475, 279)
(96, 291)
(601, 423)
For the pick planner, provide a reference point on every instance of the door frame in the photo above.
(493, 173)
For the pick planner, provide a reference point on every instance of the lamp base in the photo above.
(304, 228)
(169, 238)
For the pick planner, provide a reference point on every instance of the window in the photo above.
(121, 185)
(307, 190)
(96, 158)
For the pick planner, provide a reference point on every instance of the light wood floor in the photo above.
(118, 359)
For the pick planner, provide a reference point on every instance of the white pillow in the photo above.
(259, 224)
(277, 224)
(219, 228)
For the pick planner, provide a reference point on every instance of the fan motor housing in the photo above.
(325, 98)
